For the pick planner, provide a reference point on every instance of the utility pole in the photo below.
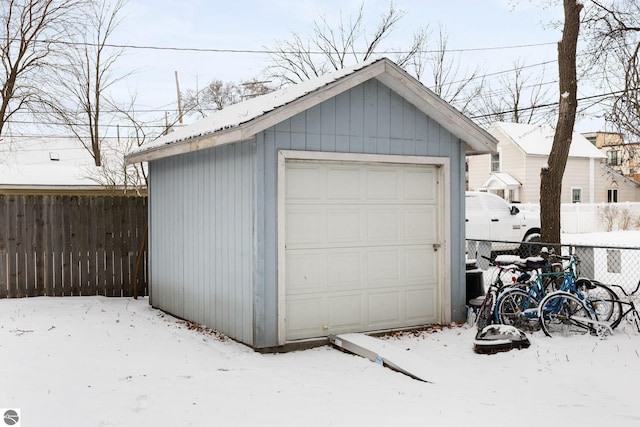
(179, 102)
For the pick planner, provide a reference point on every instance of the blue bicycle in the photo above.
(521, 307)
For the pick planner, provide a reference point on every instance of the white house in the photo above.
(514, 171)
(55, 166)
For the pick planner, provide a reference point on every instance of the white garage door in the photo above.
(360, 242)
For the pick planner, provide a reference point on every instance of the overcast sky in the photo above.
(243, 25)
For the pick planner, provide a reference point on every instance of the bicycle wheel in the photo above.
(604, 300)
(485, 313)
(562, 313)
(517, 308)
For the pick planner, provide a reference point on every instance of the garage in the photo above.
(361, 246)
(330, 206)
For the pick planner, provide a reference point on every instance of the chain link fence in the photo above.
(612, 265)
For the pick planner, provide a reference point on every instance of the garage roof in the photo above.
(244, 120)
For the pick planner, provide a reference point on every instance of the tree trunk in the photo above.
(551, 175)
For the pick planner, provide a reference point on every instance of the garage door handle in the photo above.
(494, 219)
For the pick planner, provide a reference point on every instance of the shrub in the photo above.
(608, 213)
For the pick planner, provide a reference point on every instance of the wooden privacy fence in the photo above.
(72, 245)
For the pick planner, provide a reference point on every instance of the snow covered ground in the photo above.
(95, 361)
(626, 238)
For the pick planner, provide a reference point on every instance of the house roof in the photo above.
(244, 120)
(537, 140)
(45, 163)
(617, 175)
(501, 181)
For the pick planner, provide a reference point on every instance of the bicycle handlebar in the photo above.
(562, 257)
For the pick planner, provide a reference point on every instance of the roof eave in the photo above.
(619, 175)
(181, 147)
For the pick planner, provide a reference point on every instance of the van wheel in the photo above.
(530, 246)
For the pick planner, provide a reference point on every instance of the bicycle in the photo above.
(603, 300)
(561, 312)
(627, 301)
(521, 307)
(486, 313)
(513, 302)
(517, 306)
(579, 307)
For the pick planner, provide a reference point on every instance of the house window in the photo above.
(495, 162)
(576, 195)
(614, 158)
(612, 196)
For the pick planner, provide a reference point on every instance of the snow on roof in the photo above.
(36, 161)
(537, 140)
(243, 120)
(237, 114)
(501, 180)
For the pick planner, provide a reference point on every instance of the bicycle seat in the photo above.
(583, 283)
(532, 263)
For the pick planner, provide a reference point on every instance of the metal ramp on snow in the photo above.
(386, 354)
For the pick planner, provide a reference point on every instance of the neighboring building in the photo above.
(514, 171)
(619, 188)
(334, 205)
(51, 166)
(601, 139)
(621, 157)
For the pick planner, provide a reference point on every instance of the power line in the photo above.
(269, 51)
(550, 104)
(106, 125)
(479, 116)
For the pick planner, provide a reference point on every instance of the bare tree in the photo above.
(88, 76)
(449, 82)
(114, 172)
(614, 35)
(551, 175)
(520, 97)
(218, 94)
(331, 48)
(30, 35)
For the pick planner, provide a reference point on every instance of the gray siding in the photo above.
(371, 119)
(201, 243)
